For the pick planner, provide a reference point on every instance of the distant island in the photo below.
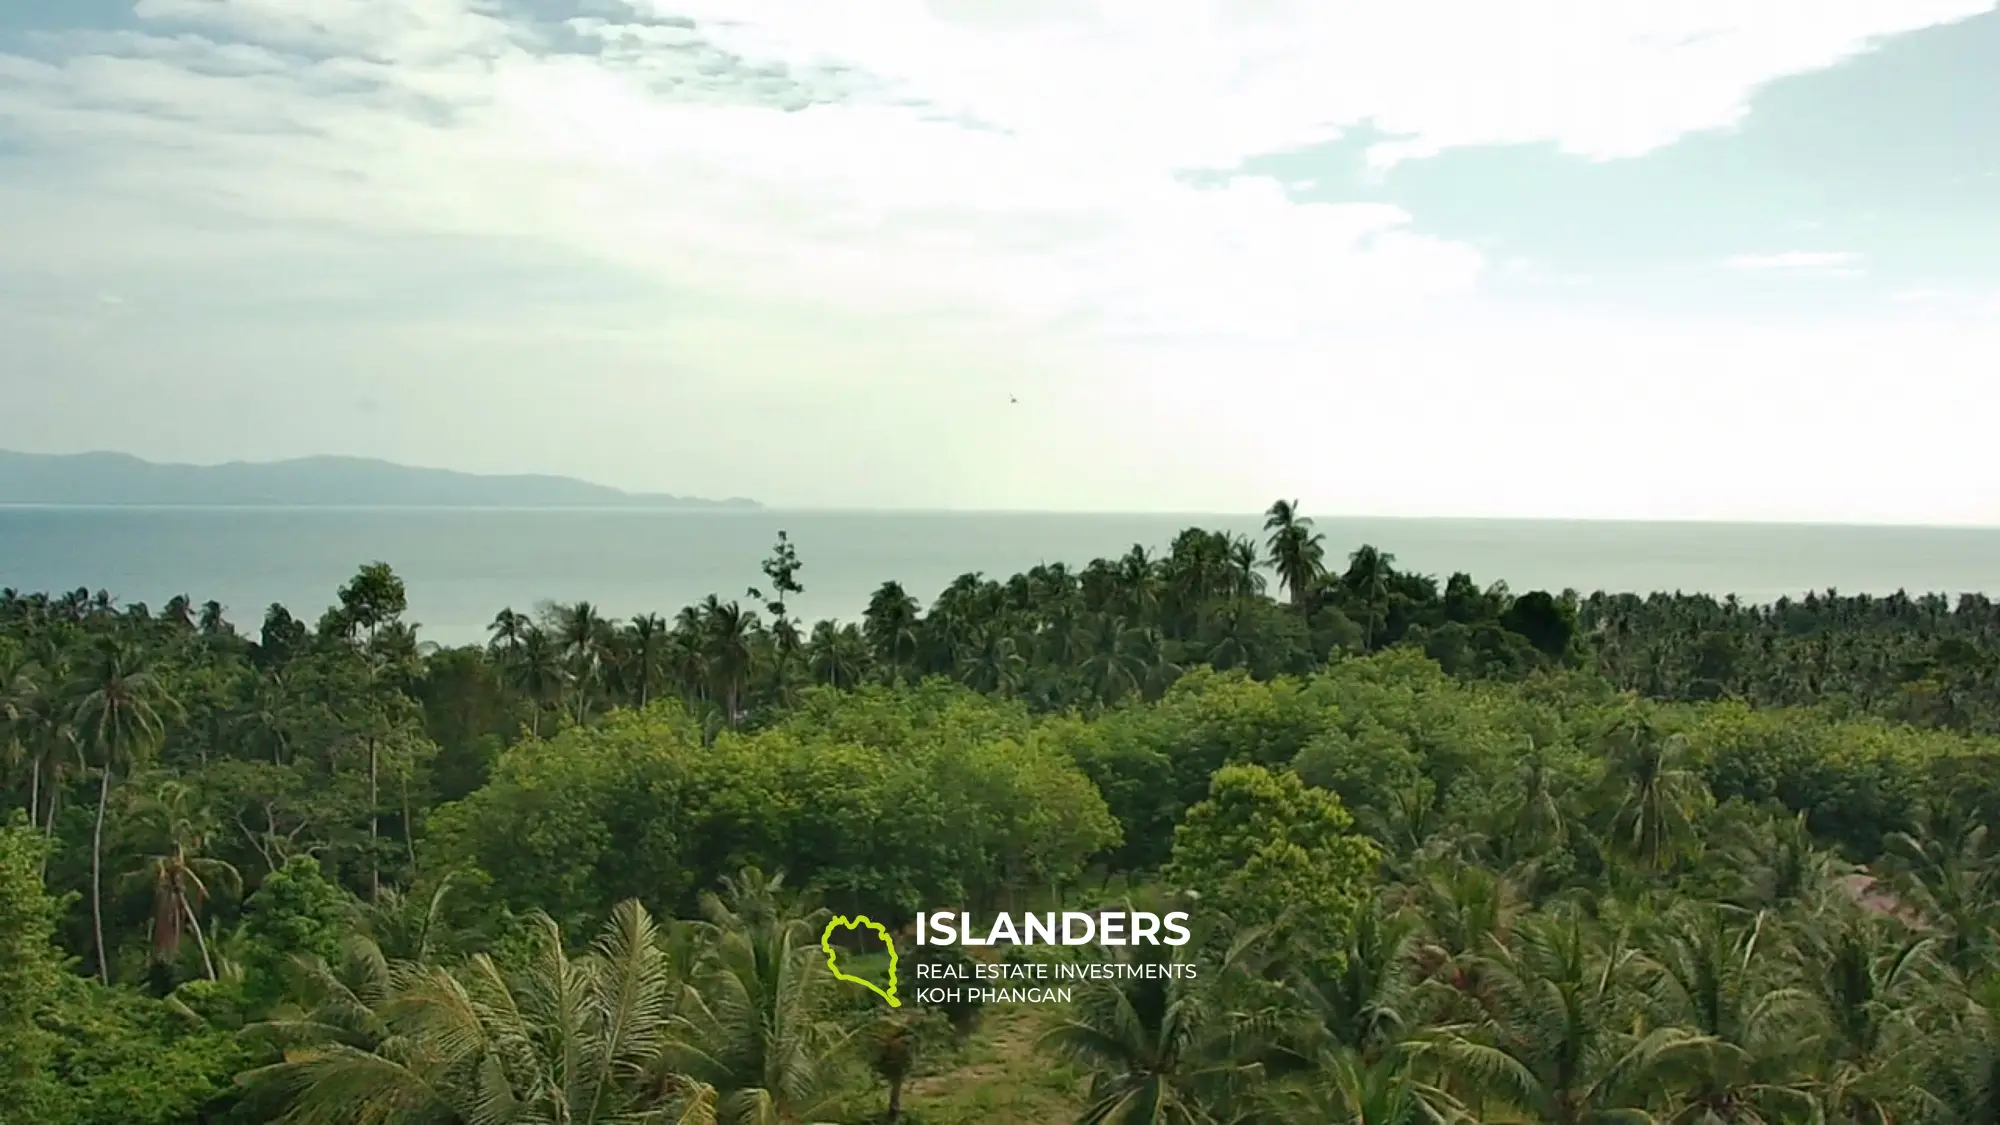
(119, 479)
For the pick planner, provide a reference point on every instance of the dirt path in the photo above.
(1004, 1042)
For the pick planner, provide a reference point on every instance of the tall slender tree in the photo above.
(118, 721)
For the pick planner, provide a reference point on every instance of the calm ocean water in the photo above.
(462, 566)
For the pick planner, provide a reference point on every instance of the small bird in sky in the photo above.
(1012, 399)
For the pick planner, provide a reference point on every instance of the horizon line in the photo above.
(725, 509)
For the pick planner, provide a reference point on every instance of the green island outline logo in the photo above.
(832, 955)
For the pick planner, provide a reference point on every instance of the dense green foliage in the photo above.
(1455, 853)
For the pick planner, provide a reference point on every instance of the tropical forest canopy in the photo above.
(1457, 853)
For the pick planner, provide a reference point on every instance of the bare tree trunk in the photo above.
(200, 942)
(35, 793)
(409, 832)
(374, 824)
(96, 877)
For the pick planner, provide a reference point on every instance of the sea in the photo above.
(461, 566)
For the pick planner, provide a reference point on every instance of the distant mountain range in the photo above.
(121, 479)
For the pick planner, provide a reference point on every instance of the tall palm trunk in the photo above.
(409, 831)
(96, 876)
(374, 824)
(200, 942)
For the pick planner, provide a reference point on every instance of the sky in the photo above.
(1653, 259)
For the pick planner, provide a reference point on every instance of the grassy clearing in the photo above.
(997, 1077)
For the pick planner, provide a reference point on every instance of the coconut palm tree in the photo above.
(179, 613)
(47, 729)
(1558, 1041)
(1243, 578)
(1296, 551)
(728, 630)
(687, 657)
(212, 622)
(1369, 580)
(890, 624)
(1776, 863)
(1961, 1086)
(405, 926)
(1948, 873)
(346, 1005)
(182, 879)
(752, 1022)
(836, 655)
(1864, 974)
(577, 1040)
(892, 1056)
(1467, 910)
(1715, 971)
(990, 662)
(1226, 635)
(1110, 667)
(509, 630)
(537, 672)
(19, 685)
(1659, 791)
(1345, 1087)
(1362, 1000)
(645, 640)
(1164, 1049)
(1137, 584)
(1148, 649)
(117, 720)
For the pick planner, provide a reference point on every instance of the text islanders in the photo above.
(941, 983)
(1072, 927)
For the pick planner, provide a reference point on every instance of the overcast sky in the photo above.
(1642, 258)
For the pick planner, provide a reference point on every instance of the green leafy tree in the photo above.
(296, 912)
(30, 965)
(125, 1058)
(1266, 849)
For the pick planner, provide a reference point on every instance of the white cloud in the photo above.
(1829, 263)
(894, 204)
